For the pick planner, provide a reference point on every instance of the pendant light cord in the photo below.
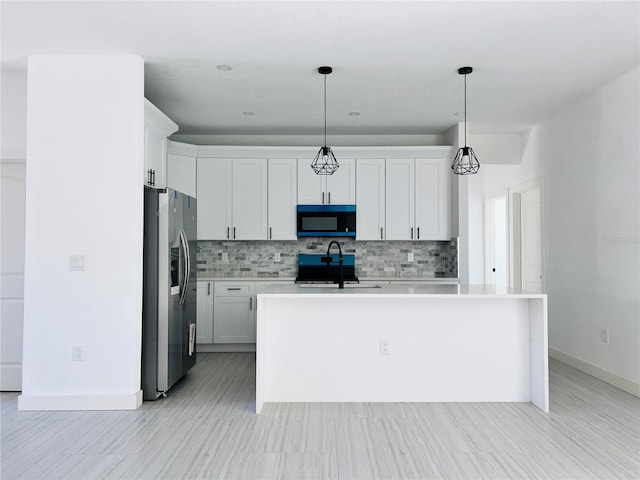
(325, 110)
(465, 109)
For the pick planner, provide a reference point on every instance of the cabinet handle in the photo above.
(323, 198)
(234, 233)
(329, 198)
(411, 233)
(208, 288)
(250, 303)
(418, 233)
(227, 233)
(234, 288)
(270, 234)
(381, 237)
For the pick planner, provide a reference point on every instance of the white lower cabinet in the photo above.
(234, 312)
(204, 312)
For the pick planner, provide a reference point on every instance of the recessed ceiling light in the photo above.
(354, 114)
(223, 67)
(248, 114)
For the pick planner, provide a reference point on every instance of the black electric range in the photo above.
(311, 268)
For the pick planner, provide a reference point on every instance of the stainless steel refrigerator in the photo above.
(169, 290)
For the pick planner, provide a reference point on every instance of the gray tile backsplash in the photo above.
(432, 259)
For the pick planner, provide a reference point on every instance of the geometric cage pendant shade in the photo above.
(325, 162)
(465, 162)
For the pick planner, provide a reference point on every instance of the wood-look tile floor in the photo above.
(207, 428)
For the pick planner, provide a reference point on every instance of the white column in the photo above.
(85, 131)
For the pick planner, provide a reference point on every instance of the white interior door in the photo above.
(12, 190)
(531, 240)
(496, 240)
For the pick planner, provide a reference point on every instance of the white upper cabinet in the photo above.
(157, 127)
(341, 186)
(370, 199)
(417, 200)
(433, 188)
(214, 198)
(232, 198)
(336, 189)
(249, 204)
(400, 199)
(282, 195)
(311, 187)
(251, 193)
(181, 168)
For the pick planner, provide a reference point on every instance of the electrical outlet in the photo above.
(385, 347)
(225, 257)
(605, 335)
(410, 257)
(276, 257)
(77, 353)
(76, 263)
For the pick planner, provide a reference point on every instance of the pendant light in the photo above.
(325, 162)
(465, 161)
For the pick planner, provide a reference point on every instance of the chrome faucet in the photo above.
(328, 259)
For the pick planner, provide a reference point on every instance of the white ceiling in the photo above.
(394, 62)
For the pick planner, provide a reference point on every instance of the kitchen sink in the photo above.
(335, 285)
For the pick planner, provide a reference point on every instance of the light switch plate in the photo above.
(276, 257)
(410, 257)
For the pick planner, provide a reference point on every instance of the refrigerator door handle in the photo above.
(185, 251)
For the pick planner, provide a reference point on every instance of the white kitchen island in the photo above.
(401, 343)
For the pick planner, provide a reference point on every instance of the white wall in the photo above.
(587, 155)
(85, 125)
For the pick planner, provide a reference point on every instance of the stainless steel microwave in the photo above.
(327, 221)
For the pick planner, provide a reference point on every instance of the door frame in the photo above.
(515, 211)
(488, 254)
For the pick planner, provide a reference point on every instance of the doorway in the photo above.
(496, 232)
(528, 235)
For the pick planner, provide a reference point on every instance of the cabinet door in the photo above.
(249, 193)
(370, 199)
(432, 199)
(181, 173)
(155, 158)
(311, 187)
(341, 186)
(282, 192)
(234, 320)
(204, 312)
(214, 198)
(400, 199)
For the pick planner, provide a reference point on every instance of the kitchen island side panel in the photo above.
(314, 348)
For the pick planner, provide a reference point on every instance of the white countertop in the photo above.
(396, 290)
(448, 280)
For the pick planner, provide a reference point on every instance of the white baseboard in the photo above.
(225, 347)
(80, 402)
(604, 375)
(11, 377)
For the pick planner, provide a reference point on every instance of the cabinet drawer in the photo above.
(233, 289)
